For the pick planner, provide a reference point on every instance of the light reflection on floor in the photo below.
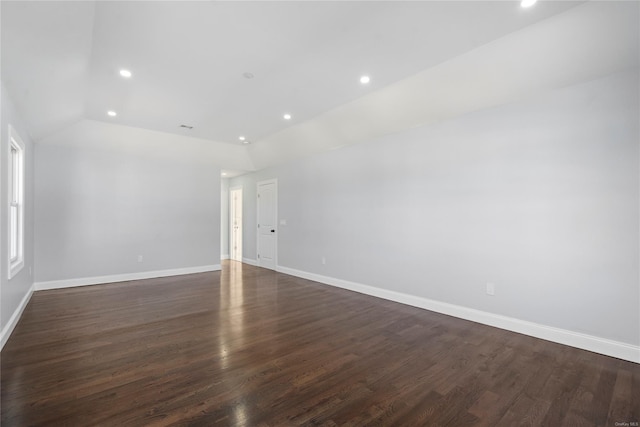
(231, 316)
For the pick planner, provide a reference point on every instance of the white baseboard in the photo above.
(98, 280)
(250, 261)
(562, 336)
(13, 321)
(225, 256)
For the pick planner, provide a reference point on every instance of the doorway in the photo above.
(235, 238)
(267, 227)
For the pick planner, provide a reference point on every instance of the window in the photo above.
(16, 203)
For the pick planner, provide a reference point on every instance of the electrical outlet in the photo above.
(491, 289)
(139, 258)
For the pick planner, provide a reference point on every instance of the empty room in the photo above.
(336, 213)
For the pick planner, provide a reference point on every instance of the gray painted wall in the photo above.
(102, 203)
(540, 198)
(13, 291)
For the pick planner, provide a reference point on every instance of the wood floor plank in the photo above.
(252, 347)
(619, 409)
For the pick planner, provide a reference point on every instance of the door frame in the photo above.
(231, 220)
(275, 225)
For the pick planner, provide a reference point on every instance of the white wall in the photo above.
(14, 292)
(539, 197)
(105, 199)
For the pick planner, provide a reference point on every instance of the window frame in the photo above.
(16, 189)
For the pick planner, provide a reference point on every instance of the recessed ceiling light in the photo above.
(365, 79)
(246, 142)
(287, 116)
(224, 174)
(528, 3)
(112, 113)
(241, 138)
(125, 73)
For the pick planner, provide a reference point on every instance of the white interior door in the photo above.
(236, 224)
(267, 229)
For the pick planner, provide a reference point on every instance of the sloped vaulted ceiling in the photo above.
(427, 60)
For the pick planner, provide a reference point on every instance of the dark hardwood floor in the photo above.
(251, 347)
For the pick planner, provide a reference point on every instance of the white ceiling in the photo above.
(60, 63)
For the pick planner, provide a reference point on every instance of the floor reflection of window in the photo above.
(232, 321)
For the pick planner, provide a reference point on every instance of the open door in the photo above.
(235, 202)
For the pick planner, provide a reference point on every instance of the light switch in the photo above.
(491, 289)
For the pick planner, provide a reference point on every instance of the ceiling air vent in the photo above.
(186, 126)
